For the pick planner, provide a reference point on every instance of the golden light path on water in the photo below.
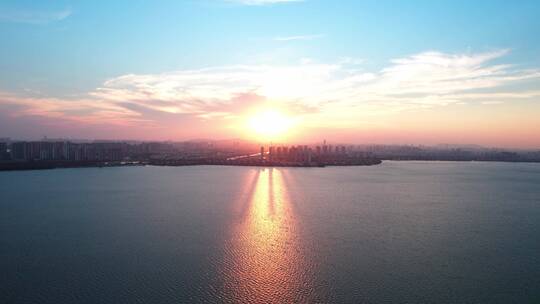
(265, 261)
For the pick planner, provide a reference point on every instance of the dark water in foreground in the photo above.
(401, 232)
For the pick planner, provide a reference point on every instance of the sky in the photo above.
(382, 72)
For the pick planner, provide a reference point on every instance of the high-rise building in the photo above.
(21, 150)
(271, 153)
(3, 151)
(58, 151)
(35, 150)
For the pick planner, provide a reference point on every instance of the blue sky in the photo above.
(70, 49)
(99, 40)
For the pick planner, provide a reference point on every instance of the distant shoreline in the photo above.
(46, 165)
(40, 165)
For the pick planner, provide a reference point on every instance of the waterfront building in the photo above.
(20, 150)
(4, 151)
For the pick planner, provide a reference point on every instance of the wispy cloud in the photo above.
(298, 37)
(33, 16)
(262, 2)
(84, 110)
(424, 80)
(341, 92)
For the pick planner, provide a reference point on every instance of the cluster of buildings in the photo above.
(61, 153)
(67, 151)
(57, 150)
(304, 154)
(47, 150)
(450, 153)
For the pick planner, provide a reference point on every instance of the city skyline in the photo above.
(297, 71)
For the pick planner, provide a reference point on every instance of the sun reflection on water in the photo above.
(266, 260)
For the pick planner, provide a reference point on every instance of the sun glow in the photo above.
(270, 123)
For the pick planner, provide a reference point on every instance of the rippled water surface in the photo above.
(407, 232)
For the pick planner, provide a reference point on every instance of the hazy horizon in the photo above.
(329, 141)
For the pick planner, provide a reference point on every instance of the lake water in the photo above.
(400, 232)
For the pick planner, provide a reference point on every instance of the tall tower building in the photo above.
(271, 153)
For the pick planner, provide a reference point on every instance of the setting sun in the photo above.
(270, 123)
